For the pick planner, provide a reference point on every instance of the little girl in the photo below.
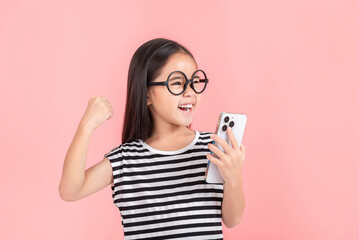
(157, 173)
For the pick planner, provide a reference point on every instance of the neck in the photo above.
(170, 132)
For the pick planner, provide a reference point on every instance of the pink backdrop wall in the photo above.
(291, 66)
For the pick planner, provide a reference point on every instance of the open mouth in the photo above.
(186, 108)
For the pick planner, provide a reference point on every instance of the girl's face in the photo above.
(163, 105)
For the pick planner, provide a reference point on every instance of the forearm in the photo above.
(233, 203)
(73, 175)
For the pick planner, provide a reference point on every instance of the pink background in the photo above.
(290, 66)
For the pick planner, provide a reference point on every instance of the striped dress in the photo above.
(163, 194)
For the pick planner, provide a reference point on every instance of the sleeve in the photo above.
(115, 156)
(112, 152)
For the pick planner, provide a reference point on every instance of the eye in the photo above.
(177, 80)
(176, 83)
(196, 80)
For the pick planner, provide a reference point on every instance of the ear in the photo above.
(149, 102)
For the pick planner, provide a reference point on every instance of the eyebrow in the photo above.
(175, 77)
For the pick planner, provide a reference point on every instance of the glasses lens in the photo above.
(199, 81)
(176, 82)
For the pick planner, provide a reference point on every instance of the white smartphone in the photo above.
(237, 122)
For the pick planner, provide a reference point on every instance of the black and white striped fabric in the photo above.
(163, 194)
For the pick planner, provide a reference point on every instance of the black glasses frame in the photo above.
(205, 80)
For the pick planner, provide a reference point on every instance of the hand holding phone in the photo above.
(237, 122)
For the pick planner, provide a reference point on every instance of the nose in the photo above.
(189, 91)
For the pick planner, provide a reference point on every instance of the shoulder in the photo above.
(204, 137)
(117, 151)
(204, 134)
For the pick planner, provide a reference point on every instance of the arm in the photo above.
(229, 165)
(233, 203)
(75, 182)
(73, 174)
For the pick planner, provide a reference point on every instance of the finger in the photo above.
(110, 116)
(217, 151)
(107, 103)
(221, 142)
(232, 138)
(243, 149)
(109, 107)
(214, 160)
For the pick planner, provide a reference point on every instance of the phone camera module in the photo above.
(231, 124)
(226, 119)
(224, 128)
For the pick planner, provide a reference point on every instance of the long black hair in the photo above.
(145, 66)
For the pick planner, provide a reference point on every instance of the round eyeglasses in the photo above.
(177, 82)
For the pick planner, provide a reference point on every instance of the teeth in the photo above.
(186, 106)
